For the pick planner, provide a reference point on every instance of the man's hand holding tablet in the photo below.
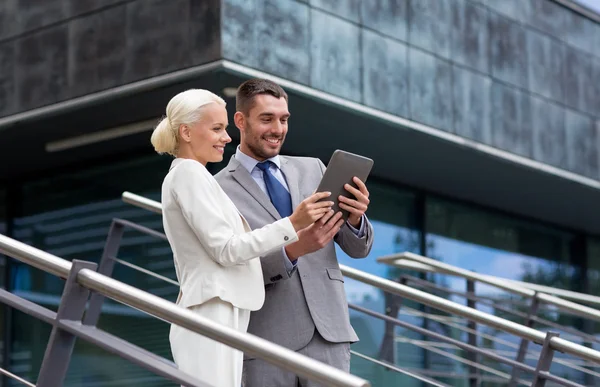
(345, 178)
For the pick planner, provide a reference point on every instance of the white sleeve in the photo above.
(197, 197)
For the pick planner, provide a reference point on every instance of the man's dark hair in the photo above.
(244, 99)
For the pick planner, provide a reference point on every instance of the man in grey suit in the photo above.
(305, 307)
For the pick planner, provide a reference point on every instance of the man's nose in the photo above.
(277, 128)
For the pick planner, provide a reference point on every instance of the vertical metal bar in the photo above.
(393, 303)
(421, 226)
(107, 265)
(13, 207)
(472, 337)
(535, 303)
(61, 343)
(544, 362)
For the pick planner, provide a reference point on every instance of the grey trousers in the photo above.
(258, 373)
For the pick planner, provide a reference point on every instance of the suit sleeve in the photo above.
(274, 268)
(348, 240)
(196, 195)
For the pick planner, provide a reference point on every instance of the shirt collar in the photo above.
(250, 163)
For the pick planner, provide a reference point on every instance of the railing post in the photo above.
(472, 337)
(544, 362)
(61, 343)
(107, 265)
(393, 303)
(535, 303)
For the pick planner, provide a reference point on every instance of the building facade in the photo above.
(482, 117)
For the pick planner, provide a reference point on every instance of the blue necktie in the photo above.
(280, 197)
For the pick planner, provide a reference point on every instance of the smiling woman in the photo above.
(195, 127)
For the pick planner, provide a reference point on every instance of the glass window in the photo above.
(497, 245)
(393, 214)
(592, 283)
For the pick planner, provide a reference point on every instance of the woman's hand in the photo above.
(310, 210)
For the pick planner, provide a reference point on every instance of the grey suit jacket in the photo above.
(313, 296)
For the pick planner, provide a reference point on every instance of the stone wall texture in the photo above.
(520, 75)
(54, 50)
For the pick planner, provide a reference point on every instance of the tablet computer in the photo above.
(342, 167)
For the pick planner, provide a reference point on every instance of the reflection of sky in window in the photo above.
(594, 5)
(483, 260)
(389, 239)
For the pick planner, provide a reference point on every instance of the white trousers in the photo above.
(208, 360)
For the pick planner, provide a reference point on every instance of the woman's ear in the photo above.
(185, 133)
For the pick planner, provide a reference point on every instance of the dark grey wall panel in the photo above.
(582, 33)
(97, 51)
(549, 139)
(41, 72)
(283, 32)
(548, 16)
(335, 55)
(578, 84)
(430, 91)
(471, 105)
(546, 65)
(582, 144)
(77, 7)
(7, 78)
(429, 26)
(508, 54)
(158, 37)
(67, 48)
(514, 9)
(239, 32)
(205, 23)
(8, 18)
(469, 35)
(385, 73)
(346, 9)
(511, 120)
(33, 14)
(386, 16)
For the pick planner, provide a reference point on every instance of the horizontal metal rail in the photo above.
(421, 263)
(170, 312)
(15, 377)
(495, 304)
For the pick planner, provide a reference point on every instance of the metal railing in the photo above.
(69, 323)
(550, 341)
(406, 260)
(532, 304)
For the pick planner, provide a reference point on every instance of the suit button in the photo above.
(285, 238)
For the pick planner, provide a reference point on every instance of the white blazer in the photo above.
(215, 251)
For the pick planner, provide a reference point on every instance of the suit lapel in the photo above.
(291, 177)
(241, 175)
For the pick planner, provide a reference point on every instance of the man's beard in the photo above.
(255, 145)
